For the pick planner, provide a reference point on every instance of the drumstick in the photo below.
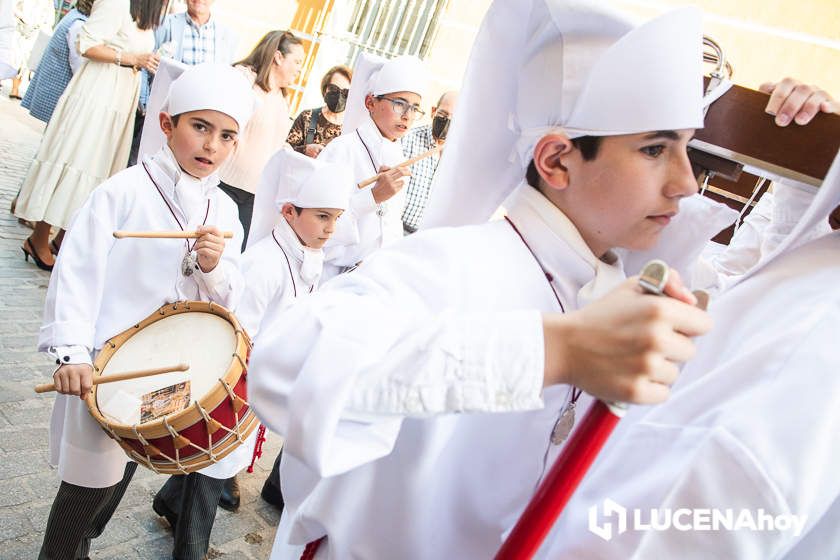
(406, 163)
(165, 234)
(46, 387)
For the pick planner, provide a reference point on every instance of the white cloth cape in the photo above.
(101, 286)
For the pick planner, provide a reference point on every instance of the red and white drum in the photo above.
(210, 415)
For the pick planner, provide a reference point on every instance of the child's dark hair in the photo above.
(175, 119)
(588, 146)
(298, 209)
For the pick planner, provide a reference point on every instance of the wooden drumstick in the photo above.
(165, 234)
(47, 387)
(406, 163)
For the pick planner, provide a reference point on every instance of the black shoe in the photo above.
(273, 495)
(229, 499)
(163, 510)
(29, 251)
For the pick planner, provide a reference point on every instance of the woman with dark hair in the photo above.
(89, 135)
(314, 128)
(272, 66)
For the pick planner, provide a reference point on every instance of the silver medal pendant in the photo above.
(188, 264)
(563, 426)
(381, 210)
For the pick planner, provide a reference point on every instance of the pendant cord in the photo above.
(574, 392)
(171, 211)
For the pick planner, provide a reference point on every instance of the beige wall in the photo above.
(766, 40)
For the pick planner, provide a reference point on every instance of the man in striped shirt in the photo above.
(419, 140)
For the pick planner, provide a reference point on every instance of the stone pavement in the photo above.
(27, 481)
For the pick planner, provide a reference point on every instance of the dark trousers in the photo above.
(139, 119)
(245, 202)
(195, 497)
(78, 515)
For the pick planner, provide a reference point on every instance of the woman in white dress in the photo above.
(89, 136)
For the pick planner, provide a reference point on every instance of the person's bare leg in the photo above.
(39, 242)
(15, 93)
(59, 237)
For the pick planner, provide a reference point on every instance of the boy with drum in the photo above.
(101, 286)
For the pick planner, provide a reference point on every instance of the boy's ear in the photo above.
(369, 102)
(166, 124)
(288, 211)
(549, 154)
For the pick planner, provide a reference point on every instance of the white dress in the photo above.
(101, 286)
(88, 138)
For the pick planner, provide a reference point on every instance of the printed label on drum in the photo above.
(162, 402)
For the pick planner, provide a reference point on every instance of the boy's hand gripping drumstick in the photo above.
(46, 387)
(406, 163)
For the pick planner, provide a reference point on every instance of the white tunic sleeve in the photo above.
(262, 283)
(337, 372)
(78, 279)
(772, 219)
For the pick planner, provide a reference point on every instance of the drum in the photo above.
(179, 422)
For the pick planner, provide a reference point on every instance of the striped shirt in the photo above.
(199, 42)
(417, 141)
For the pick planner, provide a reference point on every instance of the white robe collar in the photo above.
(381, 149)
(560, 248)
(185, 192)
(310, 262)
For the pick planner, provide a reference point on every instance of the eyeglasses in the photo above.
(402, 107)
(332, 88)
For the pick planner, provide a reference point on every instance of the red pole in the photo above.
(577, 456)
(560, 482)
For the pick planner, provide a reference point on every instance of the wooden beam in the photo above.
(737, 129)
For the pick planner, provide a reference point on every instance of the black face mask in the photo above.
(440, 127)
(336, 100)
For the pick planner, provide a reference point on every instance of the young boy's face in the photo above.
(393, 113)
(201, 141)
(630, 191)
(313, 226)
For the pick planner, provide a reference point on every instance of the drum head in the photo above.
(205, 341)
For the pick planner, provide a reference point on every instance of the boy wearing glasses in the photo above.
(383, 103)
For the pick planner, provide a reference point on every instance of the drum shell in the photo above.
(153, 444)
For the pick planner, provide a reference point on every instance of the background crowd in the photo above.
(95, 106)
